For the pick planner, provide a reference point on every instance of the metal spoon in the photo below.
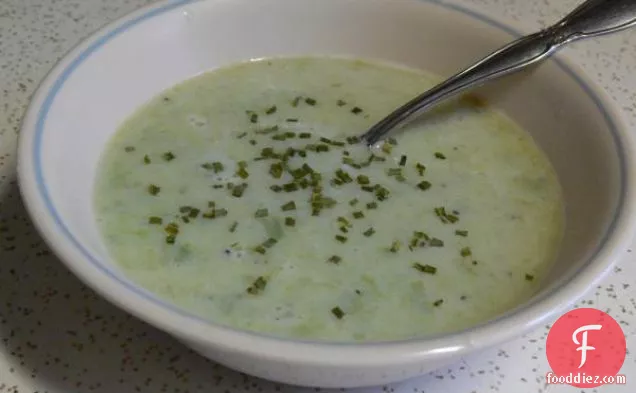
(592, 18)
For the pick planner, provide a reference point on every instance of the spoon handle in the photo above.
(592, 18)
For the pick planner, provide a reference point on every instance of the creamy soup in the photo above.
(243, 196)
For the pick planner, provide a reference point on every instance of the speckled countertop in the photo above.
(58, 336)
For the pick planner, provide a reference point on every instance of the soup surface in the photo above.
(243, 196)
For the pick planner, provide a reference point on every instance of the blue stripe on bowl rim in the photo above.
(101, 41)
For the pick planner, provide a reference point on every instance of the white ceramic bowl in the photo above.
(102, 81)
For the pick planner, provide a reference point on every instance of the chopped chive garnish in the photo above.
(276, 188)
(334, 259)
(356, 110)
(153, 189)
(461, 233)
(465, 252)
(372, 205)
(344, 221)
(237, 191)
(295, 101)
(242, 173)
(394, 171)
(276, 170)
(253, 117)
(341, 103)
(369, 232)
(341, 239)
(440, 156)
(292, 120)
(358, 215)
(290, 221)
(337, 312)
(194, 212)
(420, 169)
(172, 229)
(233, 226)
(146, 159)
(241, 135)
(441, 213)
(352, 140)
(271, 110)
(155, 220)
(343, 176)
(257, 286)
(435, 242)
(269, 243)
(259, 249)
(260, 213)
(170, 239)
(291, 205)
(290, 187)
(438, 302)
(381, 193)
(529, 277)
(363, 180)
(428, 269)
(424, 185)
(304, 135)
(395, 246)
(387, 148)
(353, 202)
(129, 149)
(403, 160)
(168, 156)
(310, 101)
(253, 142)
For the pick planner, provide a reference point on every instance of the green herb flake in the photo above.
(241, 135)
(438, 302)
(194, 212)
(381, 193)
(335, 259)
(435, 242)
(310, 101)
(387, 148)
(154, 220)
(341, 239)
(295, 101)
(372, 205)
(291, 205)
(343, 176)
(260, 213)
(253, 117)
(290, 221)
(465, 252)
(153, 189)
(172, 228)
(304, 135)
(420, 169)
(403, 161)
(440, 156)
(428, 269)
(242, 173)
(395, 246)
(356, 110)
(363, 180)
(352, 140)
(233, 226)
(353, 202)
(237, 191)
(129, 149)
(269, 243)
(369, 232)
(341, 103)
(170, 239)
(529, 277)
(424, 185)
(358, 215)
(337, 312)
(292, 120)
(290, 187)
(147, 159)
(271, 110)
(257, 286)
(461, 233)
(168, 156)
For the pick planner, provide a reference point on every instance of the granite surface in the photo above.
(58, 336)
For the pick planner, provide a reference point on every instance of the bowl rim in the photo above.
(188, 327)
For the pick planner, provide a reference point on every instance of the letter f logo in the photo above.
(583, 344)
